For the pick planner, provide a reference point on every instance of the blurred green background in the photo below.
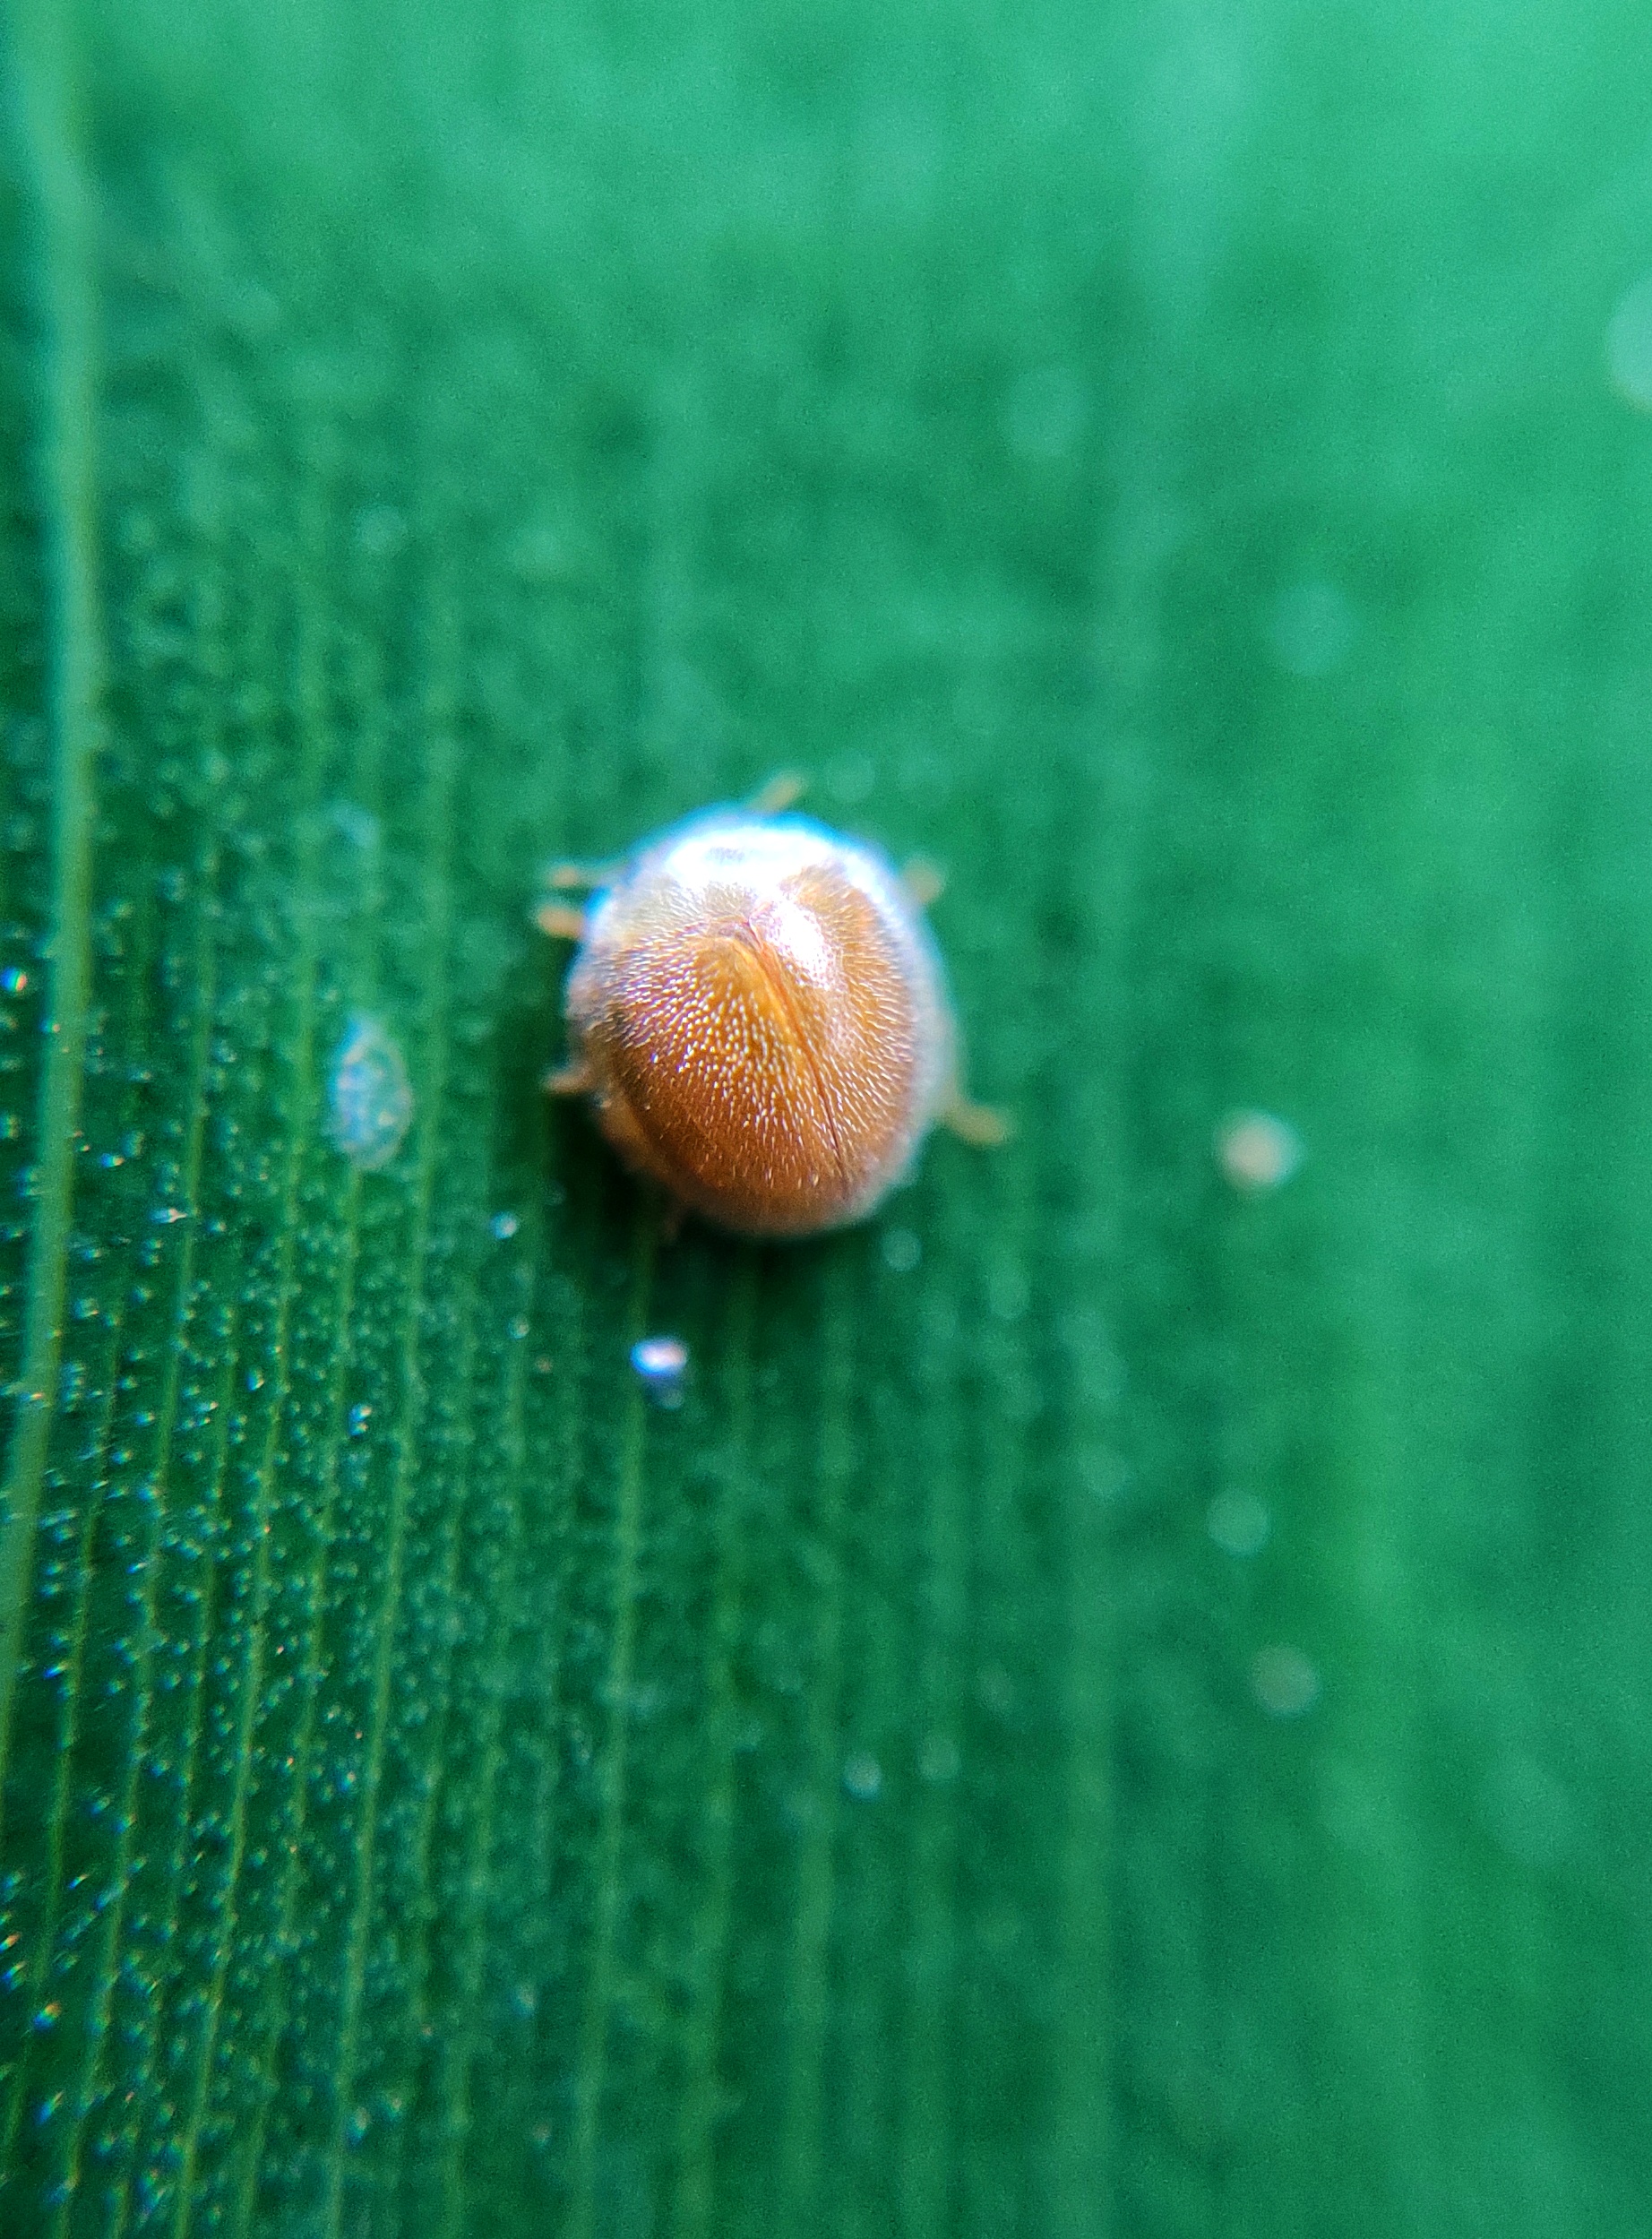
(1119, 1705)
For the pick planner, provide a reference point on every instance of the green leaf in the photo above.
(1120, 1702)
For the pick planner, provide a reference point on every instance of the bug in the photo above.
(759, 1015)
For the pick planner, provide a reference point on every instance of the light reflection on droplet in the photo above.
(359, 826)
(371, 1097)
(1628, 345)
(1256, 1151)
(902, 1249)
(661, 1366)
(862, 1776)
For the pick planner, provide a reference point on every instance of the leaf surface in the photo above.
(1119, 1703)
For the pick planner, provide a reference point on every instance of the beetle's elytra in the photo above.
(759, 1015)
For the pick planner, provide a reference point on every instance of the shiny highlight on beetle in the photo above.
(759, 1015)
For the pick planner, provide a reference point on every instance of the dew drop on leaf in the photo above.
(863, 1776)
(371, 1097)
(661, 1365)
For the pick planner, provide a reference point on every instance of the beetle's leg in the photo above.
(923, 880)
(573, 1079)
(782, 789)
(580, 878)
(977, 1123)
(562, 922)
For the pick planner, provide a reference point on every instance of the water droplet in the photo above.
(661, 1363)
(380, 529)
(255, 1379)
(1238, 1522)
(13, 979)
(902, 1249)
(372, 1099)
(1256, 1151)
(1628, 345)
(360, 1415)
(165, 1215)
(519, 1325)
(862, 1776)
(359, 826)
(1284, 1681)
(505, 1225)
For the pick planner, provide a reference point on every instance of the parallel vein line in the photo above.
(52, 1951)
(168, 1940)
(807, 1998)
(247, 2159)
(445, 768)
(460, 2040)
(68, 451)
(926, 2141)
(696, 2126)
(109, 1944)
(252, 1684)
(58, 1814)
(249, 2150)
(152, 2123)
(592, 2054)
(443, 1759)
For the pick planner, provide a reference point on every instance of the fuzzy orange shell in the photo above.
(764, 1021)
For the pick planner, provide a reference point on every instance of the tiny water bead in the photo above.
(1238, 1522)
(862, 1776)
(359, 826)
(1628, 345)
(1256, 1151)
(1284, 1681)
(759, 1016)
(371, 1097)
(902, 1251)
(661, 1367)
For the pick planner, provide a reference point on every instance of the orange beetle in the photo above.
(760, 1013)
